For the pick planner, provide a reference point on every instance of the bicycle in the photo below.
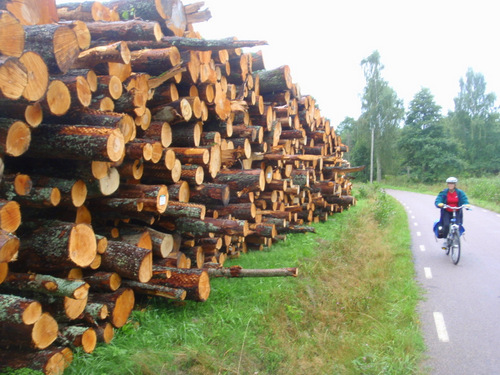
(453, 239)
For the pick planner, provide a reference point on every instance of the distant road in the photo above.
(460, 313)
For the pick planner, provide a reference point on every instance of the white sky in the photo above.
(425, 43)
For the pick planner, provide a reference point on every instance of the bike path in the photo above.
(460, 313)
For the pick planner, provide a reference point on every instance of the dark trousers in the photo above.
(446, 218)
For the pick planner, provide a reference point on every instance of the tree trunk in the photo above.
(78, 336)
(237, 271)
(128, 261)
(125, 31)
(120, 304)
(36, 336)
(151, 289)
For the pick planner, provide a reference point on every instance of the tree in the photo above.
(475, 124)
(426, 152)
(382, 113)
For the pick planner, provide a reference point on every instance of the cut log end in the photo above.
(116, 145)
(32, 313)
(74, 307)
(78, 193)
(9, 249)
(82, 245)
(44, 331)
(18, 139)
(58, 98)
(89, 340)
(10, 217)
(123, 307)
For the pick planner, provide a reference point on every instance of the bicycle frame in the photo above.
(453, 238)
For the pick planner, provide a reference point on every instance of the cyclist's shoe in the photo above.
(444, 246)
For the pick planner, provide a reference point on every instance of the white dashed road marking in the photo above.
(441, 327)
(416, 224)
(422, 248)
(419, 234)
(428, 273)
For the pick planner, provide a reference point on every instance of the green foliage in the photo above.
(427, 154)
(23, 371)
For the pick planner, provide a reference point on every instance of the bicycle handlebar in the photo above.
(456, 208)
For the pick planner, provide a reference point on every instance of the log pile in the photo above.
(135, 158)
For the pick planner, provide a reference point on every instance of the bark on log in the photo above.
(124, 30)
(201, 228)
(120, 304)
(195, 282)
(77, 142)
(39, 335)
(192, 44)
(78, 336)
(210, 194)
(237, 271)
(50, 361)
(181, 210)
(46, 284)
(57, 44)
(241, 179)
(9, 246)
(102, 281)
(19, 310)
(155, 61)
(151, 289)
(58, 245)
(128, 261)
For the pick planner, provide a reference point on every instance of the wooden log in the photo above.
(78, 336)
(77, 142)
(57, 44)
(181, 209)
(10, 215)
(242, 211)
(9, 246)
(117, 52)
(39, 335)
(186, 135)
(238, 271)
(195, 282)
(46, 284)
(172, 112)
(158, 192)
(120, 304)
(129, 30)
(242, 179)
(278, 79)
(58, 245)
(57, 101)
(51, 361)
(102, 281)
(192, 174)
(175, 294)
(201, 228)
(163, 243)
(15, 137)
(13, 77)
(155, 61)
(4, 270)
(31, 12)
(193, 44)
(128, 261)
(104, 332)
(210, 194)
(19, 310)
(12, 36)
(179, 191)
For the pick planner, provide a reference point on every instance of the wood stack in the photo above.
(135, 158)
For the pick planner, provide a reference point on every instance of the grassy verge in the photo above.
(481, 191)
(352, 310)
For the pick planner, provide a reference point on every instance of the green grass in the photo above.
(351, 310)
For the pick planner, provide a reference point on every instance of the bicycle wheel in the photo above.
(455, 248)
(447, 251)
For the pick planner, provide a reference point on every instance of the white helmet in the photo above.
(451, 180)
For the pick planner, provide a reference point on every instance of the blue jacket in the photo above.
(441, 198)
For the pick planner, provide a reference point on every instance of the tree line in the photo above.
(420, 142)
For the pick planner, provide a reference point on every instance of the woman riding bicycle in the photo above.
(453, 197)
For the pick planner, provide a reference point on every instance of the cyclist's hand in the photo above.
(440, 205)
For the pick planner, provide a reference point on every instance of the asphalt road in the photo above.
(460, 313)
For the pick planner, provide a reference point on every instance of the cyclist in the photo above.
(453, 197)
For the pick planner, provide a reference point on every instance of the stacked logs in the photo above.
(135, 158)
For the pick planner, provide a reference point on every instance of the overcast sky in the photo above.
(424, 43)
